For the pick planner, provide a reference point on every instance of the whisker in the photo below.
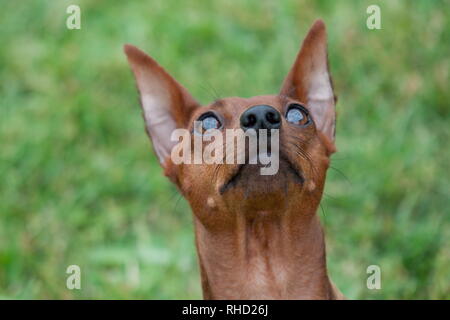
(216, 93)
(342, 174)
(176, 202)
(210, 91)
(304, 154)
(329, 196)
(174, 193)
(323, 213)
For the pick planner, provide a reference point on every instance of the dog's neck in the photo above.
(267, 257)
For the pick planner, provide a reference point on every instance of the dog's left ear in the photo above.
(309, 81)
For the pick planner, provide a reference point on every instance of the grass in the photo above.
(80, 185)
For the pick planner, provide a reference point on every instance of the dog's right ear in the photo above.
(166, 104)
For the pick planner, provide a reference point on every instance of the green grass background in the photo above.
(80, 185)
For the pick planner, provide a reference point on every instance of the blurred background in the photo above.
(79, 183)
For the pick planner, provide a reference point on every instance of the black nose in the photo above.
(261, 117)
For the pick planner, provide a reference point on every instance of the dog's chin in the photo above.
(258, 191)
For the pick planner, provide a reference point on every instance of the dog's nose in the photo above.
(260, 117)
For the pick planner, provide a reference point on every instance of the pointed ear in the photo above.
(309, 80)
(166, 104)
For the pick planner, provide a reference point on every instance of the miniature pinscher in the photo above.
(257, 236)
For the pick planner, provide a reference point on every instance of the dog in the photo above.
(257, 236)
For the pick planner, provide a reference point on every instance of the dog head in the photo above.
(302, 116)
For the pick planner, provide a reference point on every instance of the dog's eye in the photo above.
(210, 122)
(297, 114)
(207, 121)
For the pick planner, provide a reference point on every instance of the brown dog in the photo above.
(257, 237)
